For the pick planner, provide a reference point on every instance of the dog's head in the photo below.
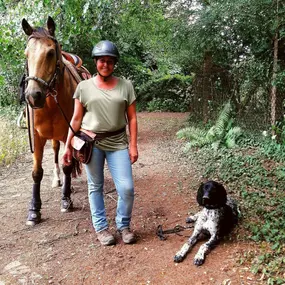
(211, 195)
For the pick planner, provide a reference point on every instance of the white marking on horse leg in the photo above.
(56, 179)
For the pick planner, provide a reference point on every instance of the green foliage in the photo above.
(254, 173)
(13, 141)
(279, 130)
(167, 93)
(221, 133)
(238, 37)
(140, 30)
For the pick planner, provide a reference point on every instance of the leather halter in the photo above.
(51, 84)
(50, 87)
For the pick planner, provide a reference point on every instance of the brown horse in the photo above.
(49, 89)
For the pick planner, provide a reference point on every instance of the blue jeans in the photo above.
(120, 167)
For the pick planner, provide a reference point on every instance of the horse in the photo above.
(49, 86)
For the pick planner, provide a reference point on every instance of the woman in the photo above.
(104, 104)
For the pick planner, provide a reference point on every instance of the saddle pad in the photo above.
(74, 59)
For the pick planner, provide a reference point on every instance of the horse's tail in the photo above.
(76, 168)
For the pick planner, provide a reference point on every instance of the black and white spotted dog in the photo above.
(217, 218)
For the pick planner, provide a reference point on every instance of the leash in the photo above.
(160, 232)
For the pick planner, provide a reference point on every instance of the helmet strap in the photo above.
(105, 78)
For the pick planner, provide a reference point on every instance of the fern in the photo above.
(216, 144)
(191, 133)
(221, 133)
(224, 120)
(231, 137)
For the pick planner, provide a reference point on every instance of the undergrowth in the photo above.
(222, 133)
(13, 140)
(254, 172)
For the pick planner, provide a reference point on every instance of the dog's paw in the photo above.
(181, 254)
(178, 258)
(198, 261)
(189, 220)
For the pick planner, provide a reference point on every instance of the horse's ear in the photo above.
(51, 26)
(26, 27)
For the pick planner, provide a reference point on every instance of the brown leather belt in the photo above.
(100, 136)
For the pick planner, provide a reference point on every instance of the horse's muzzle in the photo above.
(36, 100)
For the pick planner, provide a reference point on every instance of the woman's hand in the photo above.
(133, 128)
(133, 152)
(67, 156)
(75, 124)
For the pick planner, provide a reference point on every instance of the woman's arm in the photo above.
(75, 124)
(133, 128)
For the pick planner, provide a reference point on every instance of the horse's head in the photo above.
(43, 62)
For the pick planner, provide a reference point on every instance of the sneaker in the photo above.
(106, 238)
(127, 236)
(66, 205)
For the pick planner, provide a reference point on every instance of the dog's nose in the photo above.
(205, 200)
(206, 197)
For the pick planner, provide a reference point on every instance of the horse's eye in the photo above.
(50, 53)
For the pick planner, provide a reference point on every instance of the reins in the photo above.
(55, 99)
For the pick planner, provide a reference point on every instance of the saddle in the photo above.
(74, 64)
(73, 58)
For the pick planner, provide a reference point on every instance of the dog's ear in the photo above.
(222, 194)
(200, 194)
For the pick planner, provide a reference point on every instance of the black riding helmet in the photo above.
(105, 48)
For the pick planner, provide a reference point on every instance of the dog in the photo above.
(217, 218)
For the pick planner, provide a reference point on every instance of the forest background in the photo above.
(222, 61)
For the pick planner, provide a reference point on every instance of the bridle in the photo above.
(50, 86)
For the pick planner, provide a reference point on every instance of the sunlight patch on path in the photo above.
(22, 272)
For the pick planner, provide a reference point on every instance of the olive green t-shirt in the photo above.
(105, 110)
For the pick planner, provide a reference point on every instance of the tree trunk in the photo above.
(207, 94)
(274, 76)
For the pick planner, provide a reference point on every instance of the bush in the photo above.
(168, 93)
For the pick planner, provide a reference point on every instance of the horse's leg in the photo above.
(56, 179)
(34, 214)
(66, 203)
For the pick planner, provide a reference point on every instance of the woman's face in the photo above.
(105, 65)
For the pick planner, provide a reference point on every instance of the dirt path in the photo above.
(63, 248)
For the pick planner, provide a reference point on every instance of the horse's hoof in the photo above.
(66, 205)
(34, 217)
